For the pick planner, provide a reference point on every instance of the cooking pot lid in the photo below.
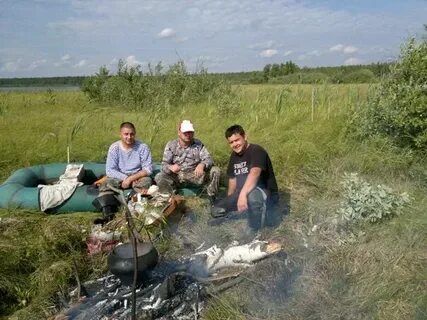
(125, 250)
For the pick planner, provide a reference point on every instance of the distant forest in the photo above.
(42, 82)
(284, 73)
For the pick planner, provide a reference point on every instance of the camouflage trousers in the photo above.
(168, 183)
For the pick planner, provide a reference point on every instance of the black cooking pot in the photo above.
(121, 263)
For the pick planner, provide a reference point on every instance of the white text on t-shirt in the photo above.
(240, 168)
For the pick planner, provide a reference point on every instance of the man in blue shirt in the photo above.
(129, 165)
(129, 160)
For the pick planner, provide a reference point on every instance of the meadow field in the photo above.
(335, 269)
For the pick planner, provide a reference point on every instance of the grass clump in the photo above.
(38, 253)
(362, 201)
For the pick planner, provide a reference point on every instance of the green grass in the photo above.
(337, 272)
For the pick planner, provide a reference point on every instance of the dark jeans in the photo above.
(262, 211)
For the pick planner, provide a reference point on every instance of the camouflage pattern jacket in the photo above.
(187, 158)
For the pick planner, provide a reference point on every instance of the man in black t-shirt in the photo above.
(252, 186)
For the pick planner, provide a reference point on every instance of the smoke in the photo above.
(266, 285)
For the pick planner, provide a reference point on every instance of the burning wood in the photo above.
(215, 258)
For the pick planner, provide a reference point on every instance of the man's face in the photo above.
(186, 137)
(238, 143)
(127, 135)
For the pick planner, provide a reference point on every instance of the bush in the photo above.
(360, 76)
(92, 85)
(398, 108)
(131, 87)
(361, 201)
(302, 78)
(226, 100)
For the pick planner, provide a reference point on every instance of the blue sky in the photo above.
(75, 37)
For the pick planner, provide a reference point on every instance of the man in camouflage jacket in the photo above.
(187, 161)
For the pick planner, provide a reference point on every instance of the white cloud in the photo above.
(131, 61)
(166, 33)
(314, 53)
(205, 61)
(66, 58)
(14, 65)
(72, 25)
(268, 53)
(208, 59)
(343, 48)
(337, 47)
(113, 63)
(36, 64)
(352, 61)
(263, 45)
(350, 49)
(80, 64)
(216, 28)
(182, 39)
(10, 66)
(307, 55)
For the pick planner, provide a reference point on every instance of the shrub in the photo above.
(302, 78)
(361, 201)
(115, 89)
(92, 85)
(398, 108)
(131, 87)
(360, 76)
(226, 100)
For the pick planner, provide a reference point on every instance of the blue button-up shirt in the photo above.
(122, 163)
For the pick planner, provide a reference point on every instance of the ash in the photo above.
(168, 294)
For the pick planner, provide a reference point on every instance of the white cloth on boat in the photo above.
(53, 195)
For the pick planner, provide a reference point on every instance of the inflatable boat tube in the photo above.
(20, 189)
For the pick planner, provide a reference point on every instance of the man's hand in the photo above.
(126, 183)
(242, 202)
(200, 170)
(174, 168)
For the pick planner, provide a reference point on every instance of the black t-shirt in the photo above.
(254, 156)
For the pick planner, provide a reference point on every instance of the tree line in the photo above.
(42, 81)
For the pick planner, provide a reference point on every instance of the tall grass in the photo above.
(374, 275)
(35, 131)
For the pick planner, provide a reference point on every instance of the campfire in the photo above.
(170, 290)
(142, 285)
